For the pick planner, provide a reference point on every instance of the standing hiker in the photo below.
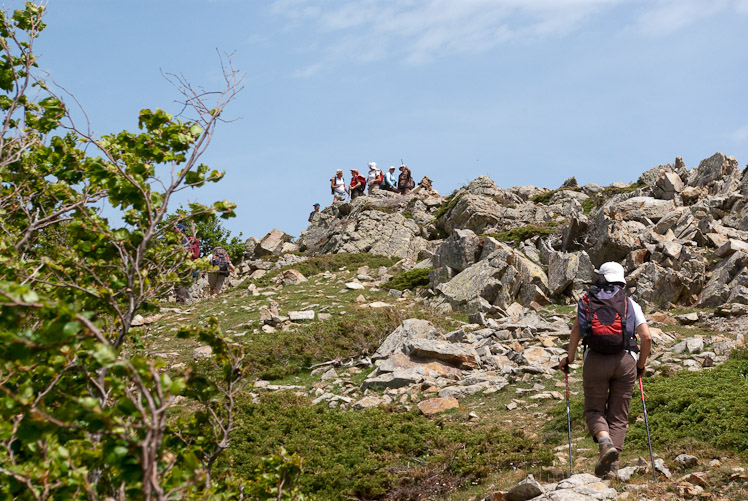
(375, 177)
(390, 181)
(221, 260)
(405, 181)
(358, 184)
(314, 214)
(607, 322)
(337, 186)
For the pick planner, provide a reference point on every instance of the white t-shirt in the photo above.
(339, 186)
(373, 175)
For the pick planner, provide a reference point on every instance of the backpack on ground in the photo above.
(194, 247)
(606, 322)
(221, 259)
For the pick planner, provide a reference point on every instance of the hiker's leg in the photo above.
(621, 388)
(596, 376)
(220, 278)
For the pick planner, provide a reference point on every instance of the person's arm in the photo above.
(646, 344)
(573, 343)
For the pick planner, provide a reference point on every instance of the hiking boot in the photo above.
(608, 456)
(612, 473)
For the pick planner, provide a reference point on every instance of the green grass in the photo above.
(368, 454)
(449, 202)
(708, 408)
(602, 196)
(411, 279)
(331, 262)
(543, 198)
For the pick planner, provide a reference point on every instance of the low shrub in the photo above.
(449, 202)
(411, 279)
(365, 454)
(519, 235)
(356, 333)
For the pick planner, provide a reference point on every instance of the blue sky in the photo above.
(525, 91)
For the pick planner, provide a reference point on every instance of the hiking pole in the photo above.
(568, 416)
(646, 423)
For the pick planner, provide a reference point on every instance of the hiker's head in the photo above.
(220, 251)
(316, 206)
(612, 273)
(339, 173)
(354, 172)
(372, 165)
(392, 168)
(180, 228)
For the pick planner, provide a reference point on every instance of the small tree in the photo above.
(83, 409)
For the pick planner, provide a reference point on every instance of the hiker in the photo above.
(405, 181)
(337, 186)
(358, 184)
(314, 215)
(606, 323)
(390, 181)
(375, 177)
(221, 259)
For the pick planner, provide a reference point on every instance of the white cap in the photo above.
(613, 272)
(372, 165)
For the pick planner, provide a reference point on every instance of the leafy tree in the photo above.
(83, 408)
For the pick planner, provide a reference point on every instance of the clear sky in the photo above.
(525, 91)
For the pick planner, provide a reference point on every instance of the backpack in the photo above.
(362, 180)
(221, 259)
(380, 177)
(606, 322)
(194, 247)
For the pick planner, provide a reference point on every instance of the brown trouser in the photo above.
(608, 386)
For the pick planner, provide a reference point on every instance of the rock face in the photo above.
(681, 235)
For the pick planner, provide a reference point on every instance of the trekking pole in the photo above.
(646, 423)
(568, 417)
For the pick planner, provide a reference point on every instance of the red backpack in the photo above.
(606, 322)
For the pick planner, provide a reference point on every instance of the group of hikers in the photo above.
(375, 180)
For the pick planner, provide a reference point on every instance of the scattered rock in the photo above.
(202, 352)
(433, 406)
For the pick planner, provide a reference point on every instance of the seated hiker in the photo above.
(375, 177)
(358, 184)
(337, 186)
(607, 324)
(405, 181)
(390, 181)
(314, 215)
(222, 261)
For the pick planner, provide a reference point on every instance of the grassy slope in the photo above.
(397, 453)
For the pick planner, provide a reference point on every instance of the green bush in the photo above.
(411, 279)
(543, 198)
(365, 454)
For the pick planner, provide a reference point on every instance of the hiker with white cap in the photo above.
(390, 181)
(374, 178)
(607, 324)
(337, 186)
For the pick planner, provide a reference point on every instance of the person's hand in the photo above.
(640, 371)
(563, 364)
